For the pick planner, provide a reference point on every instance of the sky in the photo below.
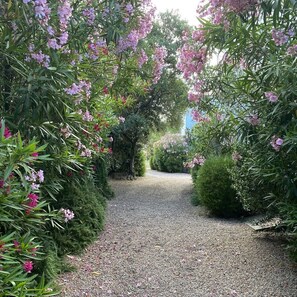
(186, 8)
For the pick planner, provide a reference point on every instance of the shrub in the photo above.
(140, 163)
(23, 217)
(88, 205)
(169, 153)
(100, 177)
(214, 188)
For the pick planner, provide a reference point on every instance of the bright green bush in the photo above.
(140, 163)
(169, 153)
(214, 188)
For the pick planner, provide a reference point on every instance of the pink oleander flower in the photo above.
(159, 59)
(276, 143)
(271, 96)
(89, 13)
(86, 153)
(122, 119)
(279, 37)
(7, 133)
(194, 97)
(129, 8)
(198, 35)
(66, 132)
(87, 116)
(64, 13)
(35, 154)
(40, 176)
(68, 214)
(28, 266)
(40, 58)
(110, 139)
(292, 50)
(236, 156)
(199, 160)
(33, 200)
(198, 117)
(2, 184)
(142, 59)
(53, 43)
(254, 120)
(35, 186)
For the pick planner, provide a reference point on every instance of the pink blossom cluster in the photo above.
(142, 59)
(42, 10)
(66, 132)
(40, 58)
(191, 61)
(159, 63)
(271, 96)
(217, 10)
(240, 5)
(96, 47)
(81, 88)
(64, 14)
(276, 143)
(169, 142)
(198, 35)
(279, 37)
(7, 133)
(85, 152)
(33, 201)
(144, 27)
(194, 97)
(36, 178)
(292, 50)
(236, 156)
(122, 119)
(197, 160)
(129, 8)
(67, 213)
(198, 117)
(87, 116)
(89, 14)
(28, 266)
(253, 119)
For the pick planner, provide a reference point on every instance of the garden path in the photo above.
(156, 244)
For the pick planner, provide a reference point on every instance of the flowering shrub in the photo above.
(252, 84)
(23, 216)
(169, 153)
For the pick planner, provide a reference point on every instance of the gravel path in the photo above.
(156, 244)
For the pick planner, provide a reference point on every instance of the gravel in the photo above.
(156, 244)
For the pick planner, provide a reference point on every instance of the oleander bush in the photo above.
(24, 215)
(169, 153)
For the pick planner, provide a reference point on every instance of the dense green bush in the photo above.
(169, 153)
(88, 205)
(214, 188)
(140, 167)
(100, 177)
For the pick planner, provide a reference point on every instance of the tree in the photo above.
(161, 100)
